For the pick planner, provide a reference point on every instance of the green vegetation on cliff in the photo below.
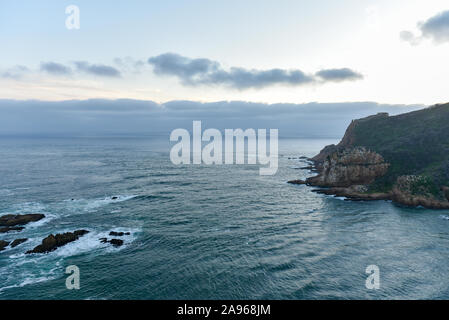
(415, 143)
(412, 159)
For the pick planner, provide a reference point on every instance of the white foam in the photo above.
(27, 281)
(17, 272)
(91, 205)
(27, 207)
(91, 241)
(39, 223)
(20, 278)
(31, 208)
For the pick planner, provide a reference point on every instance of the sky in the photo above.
(260, 51)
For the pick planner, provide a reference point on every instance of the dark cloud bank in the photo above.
(135, 117)
(435, 28)
(204, 71)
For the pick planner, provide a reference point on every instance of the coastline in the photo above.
(358, 192)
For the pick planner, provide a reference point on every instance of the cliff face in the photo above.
(349, 139)
(403, 158)
(350, 166)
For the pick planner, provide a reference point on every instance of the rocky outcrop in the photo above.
(16, 222)
(119, 234)
(349, 139)
(414, 191)
(348, 167)
(114, 242)
(17, 242)
(297, 182)
(10, 229)
(411, 200)
(12, 220)
(326, 152)
(3, 244)
(355, 193)
(349, 172)
(53, 242)
(404, 158)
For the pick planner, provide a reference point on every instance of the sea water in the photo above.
(205, 232)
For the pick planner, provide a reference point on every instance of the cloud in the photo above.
(242, 79)
(16, 72)
(208, 72)
(97, 69)
(115, 117)
(129, 64)
(409, 37)
(184, 68)
(59, 69)
(435, 28)
(338, 75)
(55, 68)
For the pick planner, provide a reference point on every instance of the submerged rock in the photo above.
(12, 220)
(119, 234)
(17, 242)
(52, 242)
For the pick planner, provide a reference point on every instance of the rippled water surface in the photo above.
(200, 232)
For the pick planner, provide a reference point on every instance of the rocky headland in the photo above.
(402, 158)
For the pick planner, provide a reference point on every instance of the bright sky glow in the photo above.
(362, 35)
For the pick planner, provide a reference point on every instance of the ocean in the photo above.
(205, 232)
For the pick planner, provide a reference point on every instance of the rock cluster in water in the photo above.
(53, 242)
(115, 242)
(13, 244)
(17, 222)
